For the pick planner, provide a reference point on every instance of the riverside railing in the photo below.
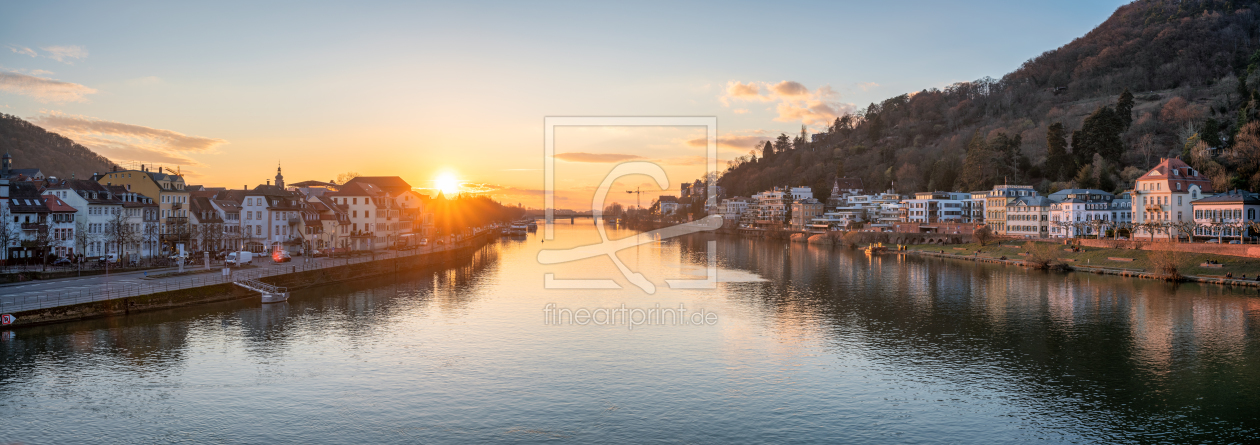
(46, 300)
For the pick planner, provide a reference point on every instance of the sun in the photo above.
(448, 184)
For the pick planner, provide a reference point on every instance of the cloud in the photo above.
(795, 101)
(867, 86)
(23, 50)
(43, 89)
(128, 142)
(167, 139)
(811, 112)
(62, 53)
(596, 157)
(740, 110)
(737, 142)
(789, 88)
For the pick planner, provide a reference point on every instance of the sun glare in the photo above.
(448, 184)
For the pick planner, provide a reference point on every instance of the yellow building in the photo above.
(167, 189)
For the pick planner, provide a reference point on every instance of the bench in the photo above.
(1212, 266)
(1070, 260)
(1115, 258)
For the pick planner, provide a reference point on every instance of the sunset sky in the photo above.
(226, 90)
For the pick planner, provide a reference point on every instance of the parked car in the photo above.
(318, 253)
(1213, 241)
(1235, 242)
(62, 262)
(424, 241)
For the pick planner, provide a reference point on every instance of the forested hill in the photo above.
(1158, 78)
(33, 147)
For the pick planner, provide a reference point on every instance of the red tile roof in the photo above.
(1174, 172)
(55, 204)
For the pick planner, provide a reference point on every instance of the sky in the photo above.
(226, 91)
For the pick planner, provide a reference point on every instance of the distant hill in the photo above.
(33, 147)
(1191, 67)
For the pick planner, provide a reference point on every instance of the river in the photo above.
(796, 344)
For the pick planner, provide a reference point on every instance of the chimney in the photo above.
(268, 182)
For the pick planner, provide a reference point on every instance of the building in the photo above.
(61, 226)
(1028, 217)
(668, 204)
(732, 209)
(1163, 195)
(137, 225)
(975, 207)
(361, 200)
(804, 211)
(1226, 215)
(934, 207)
(24, 238)
(996, 201)
(168, 190)
(1073, 212)
(97, 210)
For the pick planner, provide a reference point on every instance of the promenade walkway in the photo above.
(44, 294)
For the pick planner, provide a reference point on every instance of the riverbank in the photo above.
(1198, 267)
(224, 291)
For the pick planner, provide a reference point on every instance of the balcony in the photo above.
(35, 226)
(177, 206)
(1156, 208)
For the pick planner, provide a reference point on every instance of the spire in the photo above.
(279, 176)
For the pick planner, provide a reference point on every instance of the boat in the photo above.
(532, 225)
(519, 228)
(876, 248)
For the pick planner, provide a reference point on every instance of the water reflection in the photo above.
(814, 343)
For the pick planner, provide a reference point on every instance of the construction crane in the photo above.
(637, 194)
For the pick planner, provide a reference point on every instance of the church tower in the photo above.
(279, 177)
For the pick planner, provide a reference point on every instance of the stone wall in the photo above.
(224, 292)
(1239, 250)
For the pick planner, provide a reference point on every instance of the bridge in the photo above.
(560, 214)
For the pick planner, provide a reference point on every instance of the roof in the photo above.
(25, 198)
(848, 183)
(55, 204)
(1231, 197)
(358, 189)
(1177, 173)
(1029, 201)
(390, 184)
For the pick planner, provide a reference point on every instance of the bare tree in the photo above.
(1146, 146)
(8, 232)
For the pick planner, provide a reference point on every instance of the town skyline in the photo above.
(397, 103)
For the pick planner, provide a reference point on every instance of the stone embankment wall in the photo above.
(1239, 250)
(228, 291)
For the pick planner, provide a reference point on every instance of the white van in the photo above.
(239, 258)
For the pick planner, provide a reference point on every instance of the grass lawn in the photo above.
(1098, 257)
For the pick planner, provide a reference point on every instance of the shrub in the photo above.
(1166, 264)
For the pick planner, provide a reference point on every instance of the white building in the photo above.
(1164, 194)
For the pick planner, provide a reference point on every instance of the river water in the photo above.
(800, 344)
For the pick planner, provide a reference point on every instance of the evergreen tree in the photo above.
(1211, 133)
(1080, 149)
(1101, 134)
(767, 150)
(782, 143)
(1124, 108)
(1058, 162)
